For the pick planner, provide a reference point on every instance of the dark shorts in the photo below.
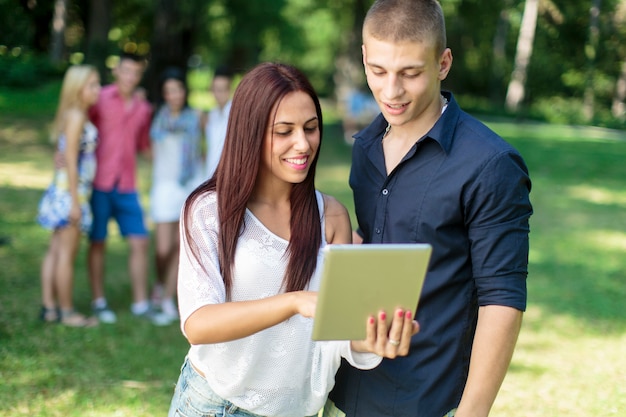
(123, 207)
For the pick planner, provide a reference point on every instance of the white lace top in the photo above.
(279, 371)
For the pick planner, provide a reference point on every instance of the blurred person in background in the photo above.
(216, 120)
(65, 208)
(176, 170)
(123, 117)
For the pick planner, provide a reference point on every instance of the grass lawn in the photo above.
(570, 357)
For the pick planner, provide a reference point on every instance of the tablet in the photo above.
(359, 280)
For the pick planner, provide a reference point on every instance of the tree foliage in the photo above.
(323, 36)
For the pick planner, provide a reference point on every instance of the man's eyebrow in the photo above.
(408, 67)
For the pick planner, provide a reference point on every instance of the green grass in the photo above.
(33, 102)
(569, 360)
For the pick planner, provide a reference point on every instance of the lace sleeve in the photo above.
(327, 358)
(199, 279)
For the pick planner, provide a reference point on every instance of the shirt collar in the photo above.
(442, 132)
(115, 93)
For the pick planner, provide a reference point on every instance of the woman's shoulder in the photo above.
(75, 115)
(204, 202)
(191, 112)
(337, 220)
(73, 121)
(332, 206)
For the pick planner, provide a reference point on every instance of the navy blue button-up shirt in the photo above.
(465, 191)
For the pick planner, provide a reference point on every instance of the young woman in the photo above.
(64, 208)
(251, 238)
(176, 171)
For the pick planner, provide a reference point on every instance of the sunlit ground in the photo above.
(569, 360)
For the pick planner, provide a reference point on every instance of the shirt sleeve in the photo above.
(143, 138)
(199, 279)
(497, 212)
(192, 125)
(157, 131)
(327, 358)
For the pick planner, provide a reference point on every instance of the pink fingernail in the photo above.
(400, 314)
(408, 315)
(371, 320)
(383, 316)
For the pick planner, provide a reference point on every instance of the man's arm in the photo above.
(496, 335)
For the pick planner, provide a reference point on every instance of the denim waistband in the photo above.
(196, 380)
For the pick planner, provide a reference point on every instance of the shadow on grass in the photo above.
(578, 231)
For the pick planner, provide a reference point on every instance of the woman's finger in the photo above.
(395, 334)
(381, 332)
(409, 328)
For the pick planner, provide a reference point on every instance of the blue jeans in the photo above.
(194, 398)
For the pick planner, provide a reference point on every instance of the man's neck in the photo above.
(125, 95)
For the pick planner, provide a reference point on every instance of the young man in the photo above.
(123, 118)
(216, 121)
(425, 171)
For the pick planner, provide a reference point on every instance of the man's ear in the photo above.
(445, 63)
(364, 54)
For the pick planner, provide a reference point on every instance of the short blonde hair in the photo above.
(407, 20)
(74, 82)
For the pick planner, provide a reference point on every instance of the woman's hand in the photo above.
(305, 303)
(75, 214)
(59, 160)
(386, 341)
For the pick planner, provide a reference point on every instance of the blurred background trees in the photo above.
(556, 60)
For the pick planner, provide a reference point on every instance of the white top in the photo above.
(215, 132)
(167, 194)
(166, 163)
(279, 371)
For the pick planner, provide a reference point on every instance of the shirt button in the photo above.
(377, 231)
(385, 191)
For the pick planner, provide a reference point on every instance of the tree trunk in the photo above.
(590, 53)
(40, 15)
(171, 44)
(499, 52)
(349, 63)
(98, 35)
(619, 108)
(57, 36)
(349, 76)
(516, 90)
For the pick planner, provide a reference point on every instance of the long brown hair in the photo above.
(257, 95)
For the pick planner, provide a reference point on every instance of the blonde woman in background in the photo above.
(64, 208)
